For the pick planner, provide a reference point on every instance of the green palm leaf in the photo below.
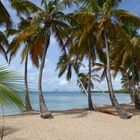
(24, 7)
(126, 17)
(4, 16)
(11, 88)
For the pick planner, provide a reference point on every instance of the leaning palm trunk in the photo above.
(137, 101)
(109, 90)
(90, 105)
(131, 94)
(43, 108)
(130, 91)
(27, 99)
(135, 94)
(84, 89)
(121, 112)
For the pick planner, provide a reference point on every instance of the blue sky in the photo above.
(50, 80)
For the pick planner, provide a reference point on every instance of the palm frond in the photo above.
(24, 7)
(3, 52)
(4, 16)
(127, 17)
(11, 89)
(11, 32)
(103, 75)
(36, 49)
(3, 40)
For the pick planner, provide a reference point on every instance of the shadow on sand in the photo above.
(108, 109)
(7, 130)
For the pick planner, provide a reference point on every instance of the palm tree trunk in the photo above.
(136, 99)
(84, 89)
(90, 105)
(43, 108)
(133, 73)
(130, 91)
(131, 95)
(27, 98)
(121, 112)
(109, 90)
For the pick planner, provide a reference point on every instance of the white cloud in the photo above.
(63, 82)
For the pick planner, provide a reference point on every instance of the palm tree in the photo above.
(128, 60)
(126, 82)
(135, 68)
(106, 16)
(83, 45)
(106, 34)
(28, 9)
(53, 24)
(131, 63)
(87, 26)
(128, 64)
(84, 79)
(67, 64)
(103, 66)
(105, 23)
(14, 47)
(85, 42)
(47, 21)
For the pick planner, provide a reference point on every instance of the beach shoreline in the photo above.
(105, 108)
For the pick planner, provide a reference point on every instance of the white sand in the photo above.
(85, 125)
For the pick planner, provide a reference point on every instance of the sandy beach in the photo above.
(75, 124)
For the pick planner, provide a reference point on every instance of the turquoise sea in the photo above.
(69, 100)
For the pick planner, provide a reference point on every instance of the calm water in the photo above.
(69, 100)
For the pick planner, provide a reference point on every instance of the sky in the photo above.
(51, 82)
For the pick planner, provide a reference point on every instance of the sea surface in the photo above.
(69, 100)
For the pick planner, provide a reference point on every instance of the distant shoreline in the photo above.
(96, 91)
(115, 91)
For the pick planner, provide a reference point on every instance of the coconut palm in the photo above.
(84, 79)
(128, 61)
(106, 16)
(126, 82)
(85, 42)
(67, 65)
(15, 45)
(105, 24)
(118, 15)
(135, 68)
(27, 9)
(131, 63)
(53, 23)
(47, 21)
(103, 67)
(83, 45)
